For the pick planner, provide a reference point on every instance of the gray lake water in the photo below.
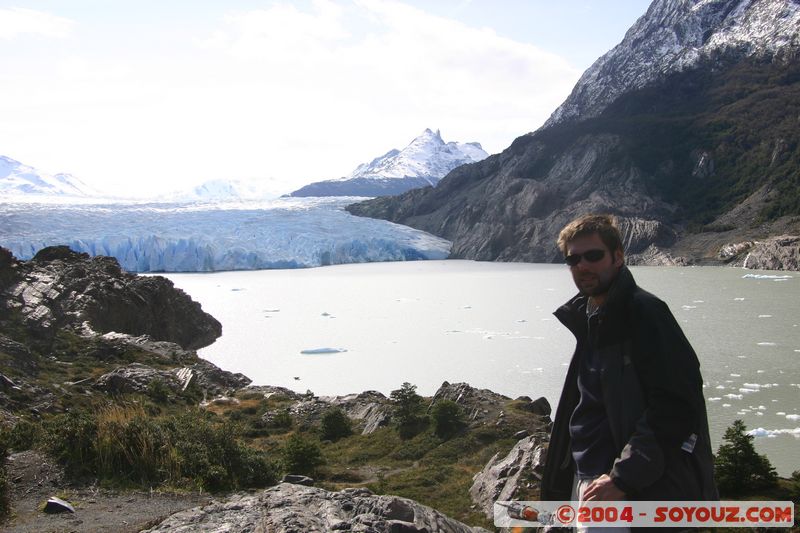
(350, 328)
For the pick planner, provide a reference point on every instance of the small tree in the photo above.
(335, 425)
(301, 455)
(738, 467)
(407, 409)
(447, 418)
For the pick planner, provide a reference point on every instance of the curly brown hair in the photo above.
(603, 225)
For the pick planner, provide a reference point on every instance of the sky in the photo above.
(145, 97)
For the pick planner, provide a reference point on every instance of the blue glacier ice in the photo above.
(282, 233)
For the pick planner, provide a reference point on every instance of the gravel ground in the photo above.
(34, 479)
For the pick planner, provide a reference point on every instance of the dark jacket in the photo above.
(653, 394)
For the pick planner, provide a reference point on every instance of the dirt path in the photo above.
(34, 478)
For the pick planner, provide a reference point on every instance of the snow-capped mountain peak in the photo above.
(675, 35)
(19, 179)
(427, 157)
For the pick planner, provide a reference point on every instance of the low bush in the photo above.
(301, 455)
(124, 445)
(335, 425)
(447, 418)
(24, 435)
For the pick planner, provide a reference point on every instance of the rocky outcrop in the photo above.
(777, 253)
(479, 405)
(654, 256)
(513, 477)
(289, 508)
(60, 289)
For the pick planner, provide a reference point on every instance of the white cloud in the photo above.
(298, 94)
(18, 21)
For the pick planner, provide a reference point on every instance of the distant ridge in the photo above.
(425, 161)
(19, 179)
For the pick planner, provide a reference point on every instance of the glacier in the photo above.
(281, 233)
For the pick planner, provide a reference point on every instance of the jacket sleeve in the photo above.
(669, 375)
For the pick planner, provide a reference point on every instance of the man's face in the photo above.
(594, 278)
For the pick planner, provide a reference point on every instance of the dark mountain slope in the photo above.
(712, 149)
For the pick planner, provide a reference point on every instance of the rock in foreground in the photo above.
(295, 508)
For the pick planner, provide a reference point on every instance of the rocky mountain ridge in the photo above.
(425, 161)
(702, 157)
(674, 36)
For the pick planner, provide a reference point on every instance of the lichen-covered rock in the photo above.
(510, 477)
(60, 288)
(289, 508)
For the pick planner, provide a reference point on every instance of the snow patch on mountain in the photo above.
(674, 35)
(283, 233)
(425, 161)
(17, 179)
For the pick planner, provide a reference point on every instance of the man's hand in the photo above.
(602, 489)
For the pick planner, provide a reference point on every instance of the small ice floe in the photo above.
(318, 351)
(726, 405)
(698, 301)
(759, 371)
(720, 387)
(734, 396)
(687, 307)
(798, 351)
(764, 316)
(741, 357)
(736, 375)
(742, 412)
(774, 277)
(780, 413)
(755, 385)
(766, 344)
(714, 399)
(738, 299)
(761, 432)
(793, 417)
(761, 408)
(747, 391)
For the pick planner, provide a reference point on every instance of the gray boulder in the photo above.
(289, 508)
(514, 476)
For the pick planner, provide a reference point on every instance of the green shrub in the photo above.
(282, 419)
(407, 412)
(301, 455)
(335, 425)
(70, 439)
(447, 418)
(158, 391)
(739, 469)
(24, 435)
(123, 444)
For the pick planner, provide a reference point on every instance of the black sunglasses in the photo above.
(591, 256)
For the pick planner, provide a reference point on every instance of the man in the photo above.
(631, 422)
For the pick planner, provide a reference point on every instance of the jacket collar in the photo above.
(573, 313)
